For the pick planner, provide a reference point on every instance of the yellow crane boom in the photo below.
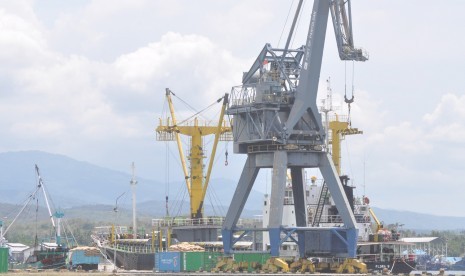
(196, 181)
(379, 225)
(339, 129)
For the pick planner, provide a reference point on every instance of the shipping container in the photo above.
(192, 261)
(211, 259)
(199, 261)
(168, 261)
(258, 257)
(4, 253)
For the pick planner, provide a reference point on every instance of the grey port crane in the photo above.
(277, 124)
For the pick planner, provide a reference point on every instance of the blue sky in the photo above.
(87, 79)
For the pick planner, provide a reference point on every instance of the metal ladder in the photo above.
(320, 206)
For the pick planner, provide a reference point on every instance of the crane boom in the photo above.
(41, 184)
(342, 23)
(219, 129)
(379, 225)
(278, 125)
(196, 181)
(58, 215)
(178, 139)
(306, 92)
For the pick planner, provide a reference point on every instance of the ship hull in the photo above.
(48, 259)
(131, 260)
(395, 267)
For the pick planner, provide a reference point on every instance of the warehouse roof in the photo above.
(419, 239)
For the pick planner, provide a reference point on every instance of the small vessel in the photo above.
(121, 247)
(384, 251)
(127, 248)
(49, 254)
(386, 256)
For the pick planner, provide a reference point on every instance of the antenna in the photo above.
(133, 188)
(327, 106)
(364, 177)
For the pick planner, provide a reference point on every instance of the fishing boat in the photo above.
(386, 256)
(126, 247)
(50, 253)
(384, 251)
(126, 250)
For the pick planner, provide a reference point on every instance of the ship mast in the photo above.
(133, 188)
(57, 215)
(327, 106)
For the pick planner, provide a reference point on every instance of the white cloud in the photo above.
(410, 161)
(21, 42)
(84, 103)
(451, 107)
(186, 63)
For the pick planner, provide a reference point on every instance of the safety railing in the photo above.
(175, 222)
(242, 96)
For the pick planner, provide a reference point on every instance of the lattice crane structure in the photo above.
(278, 126)
(196, 179)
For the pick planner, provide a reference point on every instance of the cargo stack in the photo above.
(84, 257)
(196, 261)
(191, 261)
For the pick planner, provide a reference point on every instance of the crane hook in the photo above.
(226, 156)
(349, 101)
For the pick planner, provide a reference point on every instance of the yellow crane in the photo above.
(339, 129)
(336, 129)
(379, 225)
(196, 181)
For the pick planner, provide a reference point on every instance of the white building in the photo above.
(20, 252)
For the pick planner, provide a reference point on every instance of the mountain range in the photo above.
(73, 183)
(84, 189)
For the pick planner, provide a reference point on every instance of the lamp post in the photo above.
(116, 216)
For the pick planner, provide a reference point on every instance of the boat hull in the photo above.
(48, 259)
(131, 260)
(395, 267)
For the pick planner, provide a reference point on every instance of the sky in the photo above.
(87, 79)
